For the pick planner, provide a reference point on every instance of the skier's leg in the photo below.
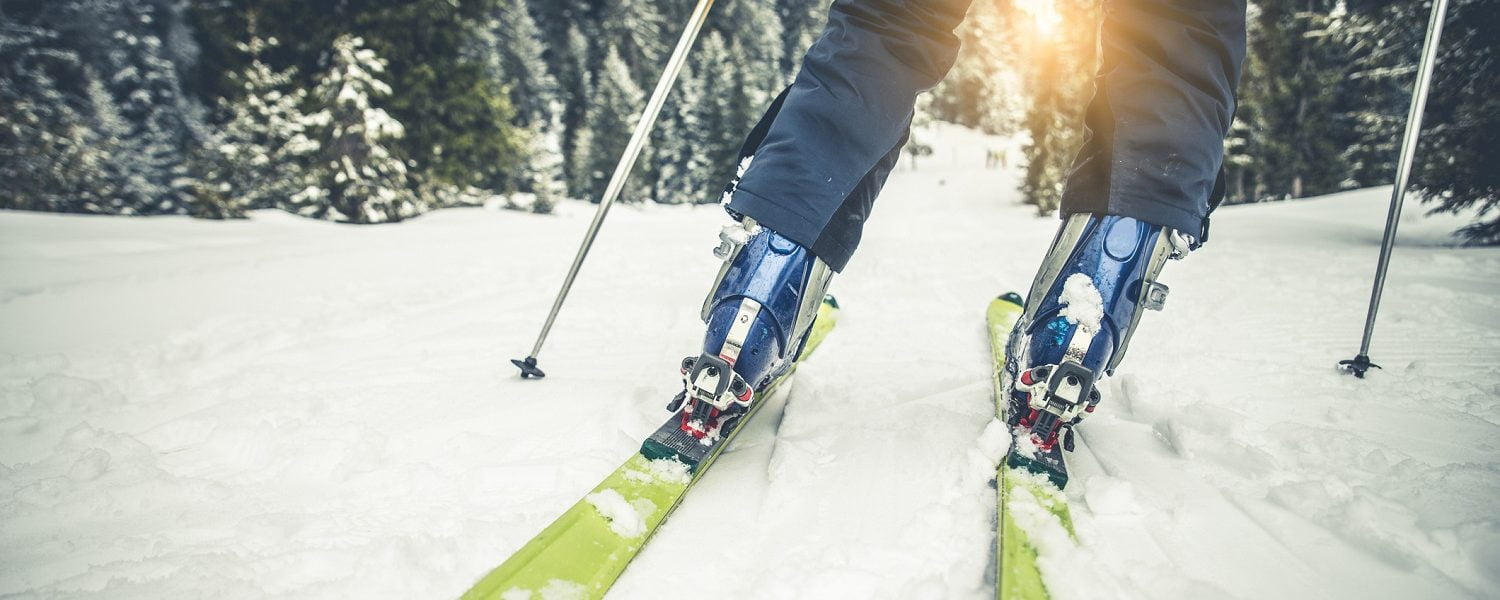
(826, 147)
(1139, 193)
(1163, 102)
(811, 170)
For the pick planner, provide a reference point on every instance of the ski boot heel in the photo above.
(1097, 279)
(759, 313)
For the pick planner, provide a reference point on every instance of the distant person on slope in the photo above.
(1140, 192)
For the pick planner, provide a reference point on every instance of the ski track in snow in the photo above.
(287, 408)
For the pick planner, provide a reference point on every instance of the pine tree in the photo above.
(1291, 100)
(359, 176)
(578, 165)
(50, 158)
(149, 170)
(576, 83)
(512, 47)
(756, 43)
(1455, 167)
(719, 133)
(614, 107)
(1240, 151)
(459, 122)
(514, 51)
(545, 167)
(1059, 66)
(102, 78)
(802, 21)
(684, 174)
(981, 90)
(635, 30)
(264, 145)
(1376, 89)
(1452, 167)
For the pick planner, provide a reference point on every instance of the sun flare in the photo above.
(1045, 20)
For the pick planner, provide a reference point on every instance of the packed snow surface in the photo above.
(286, 408)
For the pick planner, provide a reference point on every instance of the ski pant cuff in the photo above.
(793, 220)
(1146, 209)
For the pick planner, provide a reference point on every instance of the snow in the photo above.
(1023, 443)
(556, 589)
(1082, 305)
(625, 518)
(668, 470)
(735, 233)
(995, 441)
(285, 407)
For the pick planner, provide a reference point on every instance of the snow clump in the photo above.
(1081, 302)
(624, 518)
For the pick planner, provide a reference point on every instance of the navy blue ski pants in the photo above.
(1163, 101)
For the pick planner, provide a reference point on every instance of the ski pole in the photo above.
(617, 180)
(1360, 364)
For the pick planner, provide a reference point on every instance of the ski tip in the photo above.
(528, 367)
(1012, 298)
(830, 301)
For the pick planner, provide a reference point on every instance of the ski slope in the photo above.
(285, 408)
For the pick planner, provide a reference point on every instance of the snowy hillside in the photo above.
(292, 408)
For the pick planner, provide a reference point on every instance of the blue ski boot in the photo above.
(1086, 301)
(759, 313)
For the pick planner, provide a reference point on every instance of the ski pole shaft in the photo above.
(622, 171)
(1404, 165)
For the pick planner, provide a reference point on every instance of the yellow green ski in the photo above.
(1017, 576)
(583, 552)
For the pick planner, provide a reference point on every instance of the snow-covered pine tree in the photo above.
(719, 128)
(1453, 167)
(554, 19)
(578, 164)
(50, 158)
(359, 175)
(635, 30)
(514, 51)
(263, 147)
(1238, 162)
(1377, 87)
(576, 83)
(1457, 168)
(146, 37)
(982, 90)
(1290, 99)
(514, 54)
(614, 107)
(756, 49)
(744, 51)
(802, 22)
(684, 175)
(121, 100)
(544, 166)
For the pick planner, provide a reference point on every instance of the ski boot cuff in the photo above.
(763, 301)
